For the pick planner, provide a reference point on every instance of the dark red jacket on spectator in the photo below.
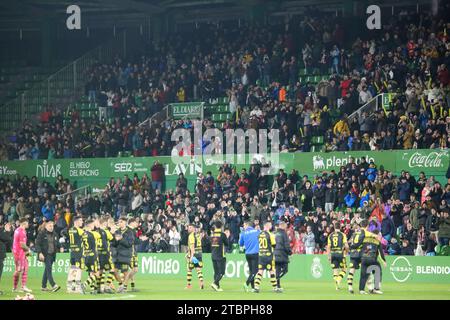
(242, 185)
(157, 172)
(45, 116)
(444, 77)
(344, 87)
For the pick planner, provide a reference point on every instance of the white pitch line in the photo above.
(130, 296)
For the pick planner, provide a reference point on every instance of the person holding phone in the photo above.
(5, 244)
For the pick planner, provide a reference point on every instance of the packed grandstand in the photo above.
(306, 77)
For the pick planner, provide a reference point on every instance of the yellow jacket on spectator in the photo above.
(340, 127)
(408, 137)
(181, 95)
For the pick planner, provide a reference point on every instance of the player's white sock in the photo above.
(370, 283)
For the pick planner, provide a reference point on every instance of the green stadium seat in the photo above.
(223, 100)
(318, 148)
(318, 140)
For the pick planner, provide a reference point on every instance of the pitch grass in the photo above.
(170, 289)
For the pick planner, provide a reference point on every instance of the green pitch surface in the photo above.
(233, 289)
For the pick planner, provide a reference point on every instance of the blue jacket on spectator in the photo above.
(371, 174)
(404, 191)
(350, 199)
(48, 211)
(365, 198)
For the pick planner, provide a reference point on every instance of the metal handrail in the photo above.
(366, 107)
(160, 115)
(59, 196)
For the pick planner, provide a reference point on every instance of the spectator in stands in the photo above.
(174, 239)
(309, 240)
(157, 175)
(48, 211)
(407, 249)
(444, 228)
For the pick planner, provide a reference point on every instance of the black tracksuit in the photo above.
(5, 244)
(371, 249)
(47, 244)
(219, 242)
(281, 253)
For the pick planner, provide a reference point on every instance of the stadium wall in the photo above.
(400, 269)
(97, 171)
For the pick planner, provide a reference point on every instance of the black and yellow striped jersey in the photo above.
(103, 244)
(90, 243)
(267, 243)
(356, 241)
(76, 241)
(336, 242)
(195, 240)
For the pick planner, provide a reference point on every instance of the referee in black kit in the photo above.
(249, 240)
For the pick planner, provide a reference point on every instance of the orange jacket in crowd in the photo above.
(282, 94)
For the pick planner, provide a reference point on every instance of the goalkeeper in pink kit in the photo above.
(21, 252)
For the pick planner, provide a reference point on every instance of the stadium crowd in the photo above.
(258, 70)
(411, 214)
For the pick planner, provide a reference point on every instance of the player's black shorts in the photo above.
(77, 262)
(355, 262)
(338, 261)
(134, 261)
(123, 266)
(196, 265)
(105, 262)
(266, 262)
(91, 264)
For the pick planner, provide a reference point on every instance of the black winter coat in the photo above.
(282, 247)
(5, 242)
(42, 241)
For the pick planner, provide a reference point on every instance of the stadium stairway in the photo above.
(313, 78)
(83, 107)
(317, 144)
(218, 111)
(17, 78)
